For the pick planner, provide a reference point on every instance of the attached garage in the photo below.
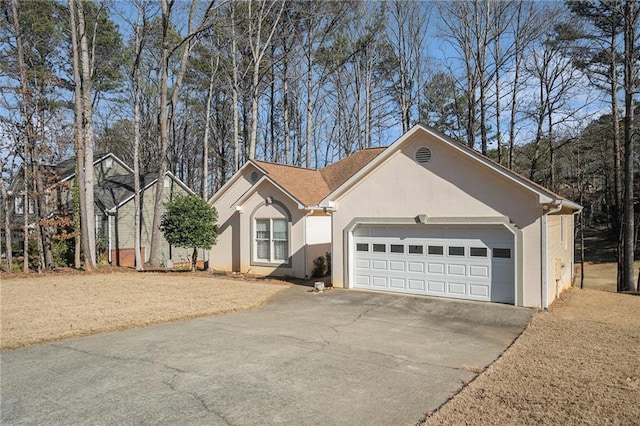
(465, 262)
(426, 215)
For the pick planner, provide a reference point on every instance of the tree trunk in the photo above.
(205, 142)
(235, 88)
(497, 82)
(255, 95)
(630, 15)
(28, 129)
(285, 114)
(87, 113)
(154, 251)
(518, 52)
(7, 223)
(137, 89)
(33, 159)
(194, 259)
(166, 111)
(309, 133)
(25, 229)
(78, 134)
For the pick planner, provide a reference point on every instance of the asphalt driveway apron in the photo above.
(335, 358)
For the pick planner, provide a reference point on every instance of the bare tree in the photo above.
(83, 130)
(408, 30)
(458, 25)
(6, 210)
(261, 20)
(214, 63)
(524, 30)
(631, 15)
(139, 31)
(556, 80)
(166, 106)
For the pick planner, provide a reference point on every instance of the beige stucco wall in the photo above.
(255, 208)
(318, 237)
(451, 185)
(309, 232)
(560, 253)
(225, 255)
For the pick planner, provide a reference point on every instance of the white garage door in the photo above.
(475, 263)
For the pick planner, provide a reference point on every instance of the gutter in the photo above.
(545, 251)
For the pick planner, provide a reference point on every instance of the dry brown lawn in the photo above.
(577, 364)
(601, 276)
(38, 309)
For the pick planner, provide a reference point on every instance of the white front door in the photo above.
(474, 262)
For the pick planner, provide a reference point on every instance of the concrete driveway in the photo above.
(340, 357)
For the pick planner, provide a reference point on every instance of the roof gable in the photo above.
(305, 185)
(545, 196)
(310, 186)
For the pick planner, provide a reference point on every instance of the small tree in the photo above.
(188, 222)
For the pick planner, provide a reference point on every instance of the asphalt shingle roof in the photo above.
(310, 186)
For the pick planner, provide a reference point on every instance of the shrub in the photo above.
(60, 249)
(190, 222)
(319, 267)
(328, 257)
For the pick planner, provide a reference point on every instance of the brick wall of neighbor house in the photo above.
(125, 257)
(124, 229)
(451, 185)
(560, 229)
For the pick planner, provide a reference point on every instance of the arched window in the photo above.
(271, 223)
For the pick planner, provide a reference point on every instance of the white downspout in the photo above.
(109, 232)
(545, 254)
(304, 245)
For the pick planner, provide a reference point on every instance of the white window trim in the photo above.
(272, 240)
(18, 205)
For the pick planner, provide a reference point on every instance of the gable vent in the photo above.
(254, 177)
(423, 155)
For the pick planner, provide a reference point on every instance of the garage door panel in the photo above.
(458, 289)
(479, 290)
(436, 268)
(436, 287)
(379, 265)
(415, 267)
(396, 266)
(454, 269)
(397, 283)
(479, 271)
(363, 281)
(420, 260)
(379, 282)
(363, 264)
(417, 285)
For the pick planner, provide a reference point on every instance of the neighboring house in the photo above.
(114, 207)
(426, 215)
